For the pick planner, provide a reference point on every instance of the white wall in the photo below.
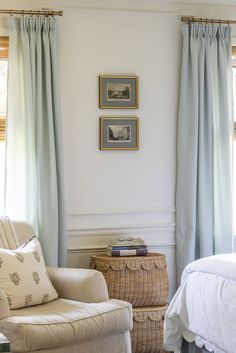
(110, 193)
(120, 192)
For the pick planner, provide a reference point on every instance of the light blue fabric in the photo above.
(203, 197)
(34, 178)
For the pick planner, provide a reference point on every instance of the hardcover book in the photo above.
(130, 247)
(133, 252)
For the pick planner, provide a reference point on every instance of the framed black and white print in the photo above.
(118, 92)
(119, 133)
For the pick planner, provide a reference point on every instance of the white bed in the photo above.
(203, 309)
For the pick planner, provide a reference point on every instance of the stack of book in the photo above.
(127, 247)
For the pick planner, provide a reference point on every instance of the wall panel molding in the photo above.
(108, 229)
(141, 210)
(94, 229)
(97, 237)
(105, 221)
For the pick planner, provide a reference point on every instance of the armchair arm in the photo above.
(4, 306)
(84, 285)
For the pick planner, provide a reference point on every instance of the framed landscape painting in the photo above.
(118, 92)
(119, 133)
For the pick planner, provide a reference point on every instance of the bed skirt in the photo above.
(192, 348)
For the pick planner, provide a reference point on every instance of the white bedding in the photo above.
(204, 307)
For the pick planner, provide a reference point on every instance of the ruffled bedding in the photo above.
(204, 307)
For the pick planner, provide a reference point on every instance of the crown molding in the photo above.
(156, 6)
(166, 6)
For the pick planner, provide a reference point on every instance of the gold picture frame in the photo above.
(119, 133)
(118, 92)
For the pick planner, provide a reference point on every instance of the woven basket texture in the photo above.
(147, 333)
(139, 280)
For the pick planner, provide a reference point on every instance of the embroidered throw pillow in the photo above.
(24, 277)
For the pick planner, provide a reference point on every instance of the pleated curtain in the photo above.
(204, 181)
(34, 168)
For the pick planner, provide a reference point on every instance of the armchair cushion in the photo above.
(23, 276)
(63, 322)
(79, 284)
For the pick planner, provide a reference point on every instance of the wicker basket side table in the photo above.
(147, 333)
(142, 281)
(139, 280)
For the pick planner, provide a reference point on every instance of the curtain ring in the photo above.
(38, 13)
(23, 13)
(31, 13)
(11, 12)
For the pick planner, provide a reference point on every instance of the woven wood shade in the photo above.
(2, 129)
(4, 46)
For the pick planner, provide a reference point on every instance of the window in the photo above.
(4, 44)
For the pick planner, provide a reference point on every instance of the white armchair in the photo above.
(81, 320)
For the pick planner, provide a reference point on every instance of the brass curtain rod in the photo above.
(12, 12)
(192, 19)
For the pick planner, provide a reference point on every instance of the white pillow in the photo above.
(24, 277)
